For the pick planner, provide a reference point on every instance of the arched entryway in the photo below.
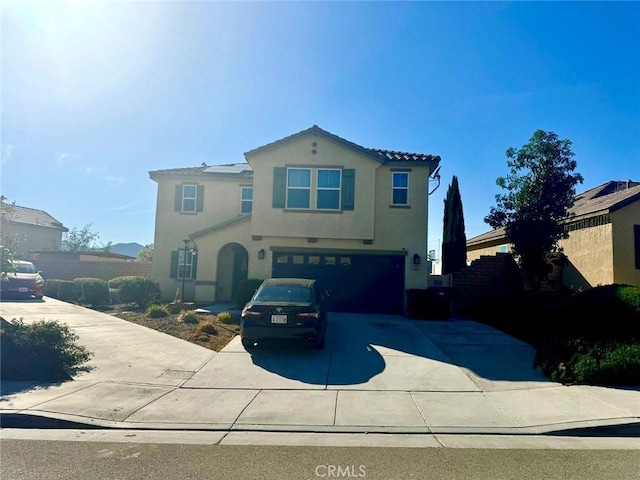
(233, 266)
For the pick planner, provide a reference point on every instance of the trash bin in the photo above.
(439, 302)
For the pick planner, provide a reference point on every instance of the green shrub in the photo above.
(157, 311)
(139, 290)
(92, 291)
(208, 328)
(175, 307)
(609, 312)
(43, 350)
(245, 290)
(588, 362)
(226, 317)
(188, 316)
(51, 287)
(68, 291)
(616, 365)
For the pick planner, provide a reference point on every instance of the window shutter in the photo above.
(200, 198)
(177, 203)
(173, 270)
(348, 188)
(194, 266)
(279, 187)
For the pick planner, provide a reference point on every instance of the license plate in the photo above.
(23, 289)
(282, 319)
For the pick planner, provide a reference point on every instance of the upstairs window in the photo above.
(298, 188)
(333, 188)
(328, 187)
(189, 195)
(246, 200)
(189, 198)
(400, 190)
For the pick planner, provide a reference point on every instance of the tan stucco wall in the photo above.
(590, 253)
(209, 246)
(33, 238)
(475, 254)
(222, 202)
(391, 229)
(624, 268)
(268, 221)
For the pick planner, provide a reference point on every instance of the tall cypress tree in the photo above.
(454, 239)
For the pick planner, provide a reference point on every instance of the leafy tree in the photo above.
(540, 191)
(9, 242)
(146, 254)
(82, 240)
(454, 239)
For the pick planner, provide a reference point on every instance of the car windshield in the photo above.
(25, 268)
(283, 293)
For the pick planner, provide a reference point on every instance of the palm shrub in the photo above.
(188, 316)
(208, 328)
(44, 350)
(225, 317)
(157, 311)
(92, 291)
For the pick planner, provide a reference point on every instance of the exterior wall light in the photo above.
(261, 254)
(416, 259)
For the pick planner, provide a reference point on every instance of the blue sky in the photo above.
(95, 95)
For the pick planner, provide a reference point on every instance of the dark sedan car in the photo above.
(284, 308)
(23, 282)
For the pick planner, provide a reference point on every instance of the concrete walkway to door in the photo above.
(377, 375)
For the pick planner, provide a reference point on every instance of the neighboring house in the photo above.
(32, 230)
(604, 237)
(309, 205)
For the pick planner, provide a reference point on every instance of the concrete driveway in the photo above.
(377, 373)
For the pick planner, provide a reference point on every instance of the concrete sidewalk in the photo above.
(377, 375)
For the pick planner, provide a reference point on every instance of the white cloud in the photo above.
(7, 152)
(124, 207)
(114, 182)
(63, 159)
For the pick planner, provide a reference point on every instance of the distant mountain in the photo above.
(131, 249)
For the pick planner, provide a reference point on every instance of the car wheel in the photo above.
(248, 343)
(38, 297)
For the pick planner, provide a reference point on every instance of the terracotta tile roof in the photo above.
(391, 156)
(244, 170)
(383, 156)
(32, 216)
(605, 198)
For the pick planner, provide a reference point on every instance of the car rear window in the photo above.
(284, 294)
(25, 268)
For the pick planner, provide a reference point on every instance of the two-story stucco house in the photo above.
(604, 237)
(32, 230)
(309, 205)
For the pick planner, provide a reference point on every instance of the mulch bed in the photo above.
(171, 325)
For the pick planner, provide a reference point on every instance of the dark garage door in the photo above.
(356, 283)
